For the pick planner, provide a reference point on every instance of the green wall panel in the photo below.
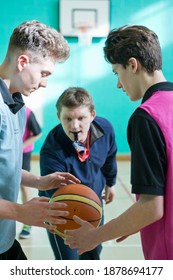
(86, 66)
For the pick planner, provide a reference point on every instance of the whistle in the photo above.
(76, 136)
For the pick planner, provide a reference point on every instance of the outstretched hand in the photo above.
(48, 182)
(57, 179)
(81, 238)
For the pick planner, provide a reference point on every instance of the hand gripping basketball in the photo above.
(81, 201)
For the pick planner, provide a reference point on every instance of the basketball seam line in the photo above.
(78, 198)
(71, 219)
(75, 195)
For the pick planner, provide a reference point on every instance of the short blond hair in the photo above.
(39, 39)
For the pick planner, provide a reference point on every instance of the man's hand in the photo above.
(109, 194)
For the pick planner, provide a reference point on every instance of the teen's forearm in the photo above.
(31, 140)
(144, 212)
(29, 179)
(9, 210)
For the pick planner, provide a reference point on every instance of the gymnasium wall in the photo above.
(86, 66)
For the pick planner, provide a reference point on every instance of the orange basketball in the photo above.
(82, 201)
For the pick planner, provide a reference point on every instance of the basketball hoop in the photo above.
(84, 33)
(84, 37)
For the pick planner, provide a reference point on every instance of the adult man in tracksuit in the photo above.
(85, 146)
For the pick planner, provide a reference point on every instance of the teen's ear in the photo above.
(58, 115)
(93, 114)
(23, 60)
(133, 62)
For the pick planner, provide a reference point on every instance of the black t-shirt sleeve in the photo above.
(33, 124)
(148, 154)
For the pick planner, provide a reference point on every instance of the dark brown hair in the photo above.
(134, 41)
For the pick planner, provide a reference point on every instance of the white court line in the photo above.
(126, 189)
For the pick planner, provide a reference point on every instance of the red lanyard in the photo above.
(82, 157)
